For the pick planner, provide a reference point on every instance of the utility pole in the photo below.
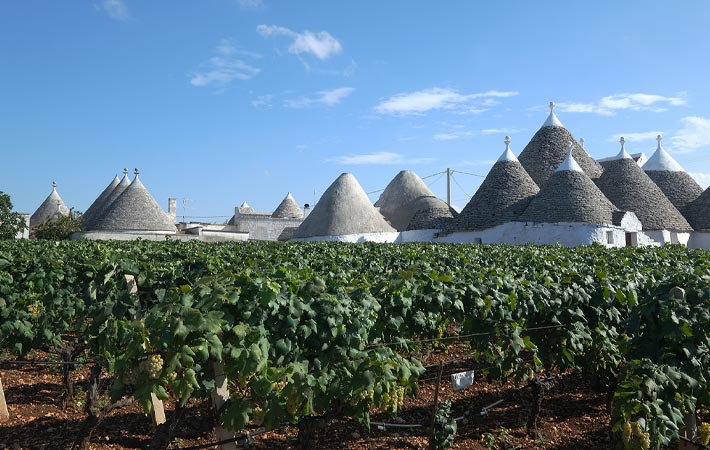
(448, 187)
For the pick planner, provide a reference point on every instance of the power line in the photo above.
(459, 185)
(468, 173)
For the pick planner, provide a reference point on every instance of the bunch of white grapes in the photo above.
(258, 415)
(704, 433)
(365, 395)
(153, 366)
(634, 437)
(394, 400)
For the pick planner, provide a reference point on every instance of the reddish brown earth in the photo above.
(573, 417)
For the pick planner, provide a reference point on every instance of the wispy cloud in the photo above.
(611, 104)
(703, 179)
(250, 4)
(262, 102)
(451, 136)
(419, 102)
(380, 158)
(327, 98)
(489, 131)
(694, 135)
(322, 44)
(635, 137)
(116, 9)
(226, 66)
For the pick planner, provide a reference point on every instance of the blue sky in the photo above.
(223, 101)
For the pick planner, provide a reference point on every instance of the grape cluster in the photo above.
(634, 437)
(258, 415)
(152, 366)
(365, 395)
(395, 400)
(704, 433)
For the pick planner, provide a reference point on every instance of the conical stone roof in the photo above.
(343, 209)
(288, 209)
(407, 197)
(502, 197)
(569, 195)
(50, 207)
(698, 212)
(630, 189)
(90, 223)
(98, 204)
(674, 181)
(135, 210)
(547, 149)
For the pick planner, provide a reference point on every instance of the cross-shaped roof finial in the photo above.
(659, 138)
(125, 172)
(552, 106)
(136, 171)
(54, 185)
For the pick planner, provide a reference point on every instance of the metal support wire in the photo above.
(459, 185)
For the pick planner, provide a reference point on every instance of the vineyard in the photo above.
(302, 335)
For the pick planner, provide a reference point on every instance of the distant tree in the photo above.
(11, 223)
(59, 228)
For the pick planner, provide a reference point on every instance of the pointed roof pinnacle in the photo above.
(569, 163)
(581, 143)
(54, 185)
(552, 120)
(507, 155)
(623, 154)
(661, 160)
(125, 172)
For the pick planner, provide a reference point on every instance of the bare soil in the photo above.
(573, 416)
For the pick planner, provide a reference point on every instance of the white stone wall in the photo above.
(354, 238)
(568, 234)
(417, 236)
(700, 239)
(263, 227)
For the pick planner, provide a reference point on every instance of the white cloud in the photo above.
(116, 9)
(488, 131)
(436, 98)
(703, 179)
(262, 102)
(321, 44)
(636, 137)
(224, 67)
(382, 158)
(328, 98)
(250, 4)
(609, 105)
(452, 135)
(695, 134)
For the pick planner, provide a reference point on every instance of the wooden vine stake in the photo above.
(220, 395)
(157, 412)
(432, 433)
(690, 431)
(4, 414)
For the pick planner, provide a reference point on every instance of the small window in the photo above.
(609, 237)
(477, 241)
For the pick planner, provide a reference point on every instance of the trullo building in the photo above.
(344, 213)
(52, 207)
(411, 208)
(630, 189)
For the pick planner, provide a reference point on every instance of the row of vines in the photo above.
(328, 330)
